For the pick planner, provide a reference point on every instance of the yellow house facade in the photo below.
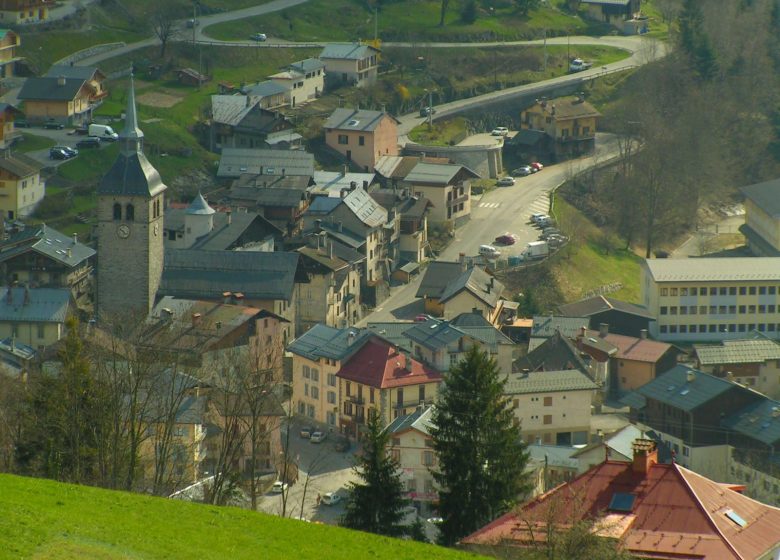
(711, 299)
(569, 123)
(23, 11)
(34, 316)
(21, 186)
(59, 99)
(9, 42)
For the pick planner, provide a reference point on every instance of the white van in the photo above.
(103, 131)
(489, 251)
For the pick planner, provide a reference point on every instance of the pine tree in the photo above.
(481, 455)
(375, 505)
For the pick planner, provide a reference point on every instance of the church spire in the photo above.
(131, 138)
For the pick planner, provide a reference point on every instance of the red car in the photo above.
(536, 166)
(506, 239)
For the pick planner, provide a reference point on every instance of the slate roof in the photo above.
(553, 455)
(765, 195)
(393, 332)
(438, 173)
(528, 137)
(199, 207)
(131, 175)
(322, 341)
(224, 234)
(744, 351)
(548, 382)
(48, 89)
(286, 198)
(323, 205)
(263, 89)
(673, 388)
(634, 400)
(355, 119)
(546, 325)
(597, 304)
(436, 277)
(420, 420)
(477, 282)
(230, 109)
(20, 165)
(234, 162)
(323, 258)
(68, 71)
(331, 182)
(378, 364)
(759, 421)
(620, 442)
(568, 108)
(433, 334)
(199, 274)
(476, 326)
(673, 510)
(347, 51)
(365, 208)
(34, 305)
(555, 353)
(714, 269)
(46, 241)
(307, 65)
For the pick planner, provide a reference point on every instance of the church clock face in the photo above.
(123, 231)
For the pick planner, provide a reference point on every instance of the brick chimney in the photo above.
(196, 319)
(645, 455)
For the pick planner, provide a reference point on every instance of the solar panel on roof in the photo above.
(622, 502)
(735, 517)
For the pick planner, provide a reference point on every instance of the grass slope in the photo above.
(352, 19)
(46, 520)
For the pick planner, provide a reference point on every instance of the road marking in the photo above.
(490, 205)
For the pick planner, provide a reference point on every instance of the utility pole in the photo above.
(430, 109)
(194, 20)
(545, 51)
(568, 46)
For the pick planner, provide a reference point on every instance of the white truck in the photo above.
(103, 131)
(578, 65)
(535, 250)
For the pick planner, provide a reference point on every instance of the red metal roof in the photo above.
(632, 348)
(676, 514)
(381, 365)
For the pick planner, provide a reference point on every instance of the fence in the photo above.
(90, 51)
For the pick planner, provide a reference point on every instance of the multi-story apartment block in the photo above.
(712, 298)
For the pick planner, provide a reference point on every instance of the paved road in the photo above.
(505, 209)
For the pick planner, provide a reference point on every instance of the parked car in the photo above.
(72, 152)
(500, 131)
(104, 132)
(506, 239)
(306, 432)
(192, 23)
(536, 166)
(342, 444)
(489, 251)
(425, 111)
(536, 217)
(88, 142)
(544, 222)
(523, 171)
(318, 437)
(330, 498)
(421, 318)
(506, 182)
(21, 123)
(53, 125)
(58, 153)
(259, 37)
(556, 240)
(279, 487)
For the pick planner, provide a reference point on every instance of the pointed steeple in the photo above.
(131, 138)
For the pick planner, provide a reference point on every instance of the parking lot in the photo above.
(65, 137)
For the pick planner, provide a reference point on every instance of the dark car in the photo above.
(88, 142)
(342, 444)
(523, 171)
(425, 111)
(506, 239)
(72, 152)
(21, 123)
(59, 153)
(53, 125)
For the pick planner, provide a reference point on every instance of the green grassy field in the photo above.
(443, 133)
(594, 260)
(31, 142)
(352, 20)
(46, 520)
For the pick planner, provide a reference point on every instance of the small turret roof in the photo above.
(199, 207)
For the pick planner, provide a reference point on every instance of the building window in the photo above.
(713, 309)
(692, 329)
(664, 291)
(306, 372)
(762, 308)
(315, 374)
(332, 379)
(733, 291)
(663, 329)
(548, 419)
(331, 397)
(713, 291)
(422, 393)
(371, 395)
(664, 310)
(400, 396)
(130, 213)
(723, 291)
(683, 291)
(673, 310)
(702, 309)
(41, 331)
(453, 360)
(692, 309)
(762, 290)
(361, 140)
(301, 408)
(343, 139)
(310, 411)
(732, 309)
(315, 393)
(306, 389)
(752, 290)
(348, 389)
(548, 401)
(672, 291)
(429, 459)
(694, 291)
(396, 455)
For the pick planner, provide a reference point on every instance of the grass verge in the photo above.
(443, 133)
(31, 142)
(47, 520)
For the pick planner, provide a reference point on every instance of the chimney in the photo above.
(690, 377)
(75, 238)
(350, 337)
(247, 101)
(730, 375)
(344, 192)
(462, 261)
(226, 297)
(645, 455)
(238, 298)
(776, 412)
(491, 281)
(196, 319)
(330, 251)
(603, 329)
(643, 334)
(487, 289)
(283, 171)
(583, 331)
(352, 185)
(365, 185)
(69, 252)
(229, 213)
(60, 80)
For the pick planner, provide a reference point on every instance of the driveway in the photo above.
(504, 209)
(63, 137)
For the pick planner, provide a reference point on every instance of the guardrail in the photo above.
(258, 44)
(90, 51)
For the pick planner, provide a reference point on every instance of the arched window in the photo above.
(129, 212)
(117, 211)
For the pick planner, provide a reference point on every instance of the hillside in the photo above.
(45, 520)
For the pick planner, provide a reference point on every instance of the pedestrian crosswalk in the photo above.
(539, 206)
(489, 204)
